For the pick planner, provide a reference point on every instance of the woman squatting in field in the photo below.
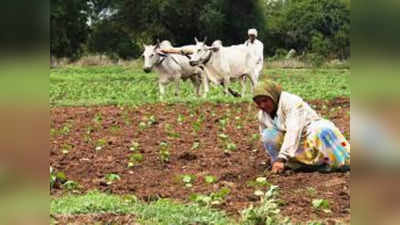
(294, 135)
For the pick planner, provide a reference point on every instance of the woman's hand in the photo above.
(278, 167)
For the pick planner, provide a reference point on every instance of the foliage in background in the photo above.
(119, 28)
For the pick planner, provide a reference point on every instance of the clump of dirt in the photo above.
(87, 144)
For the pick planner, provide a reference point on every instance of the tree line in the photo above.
(119, 28)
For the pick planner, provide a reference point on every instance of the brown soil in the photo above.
(150, 178)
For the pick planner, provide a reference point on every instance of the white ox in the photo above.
(225, 64)
(171, 67)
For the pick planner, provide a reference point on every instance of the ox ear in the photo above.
(195, 39)
(158, 44)
(205, 39)
(213, 48)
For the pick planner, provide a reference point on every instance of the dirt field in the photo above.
(98, 141)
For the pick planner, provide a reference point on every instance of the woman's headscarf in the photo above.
(268, 88)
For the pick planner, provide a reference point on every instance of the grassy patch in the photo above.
(161, 212)
(131, 86)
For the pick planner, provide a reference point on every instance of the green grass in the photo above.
(161, 212)
(164, 211)
(71, 86)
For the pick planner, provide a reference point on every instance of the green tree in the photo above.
(68, 28)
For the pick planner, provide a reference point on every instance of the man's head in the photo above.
(252, 34)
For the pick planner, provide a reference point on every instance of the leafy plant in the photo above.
(134, 146)
(321, 204)
(215, 198)
(100, 144)
(56, 178)
(71, 185)
(164, 153)
(195, 145)
(267, 212)
(180, 119)
(188, 179)
(171, 132)
(135, 159)
(98, 118)
(209, 179)
(110, 178)
(66, 148)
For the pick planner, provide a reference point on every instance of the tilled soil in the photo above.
(97, 141)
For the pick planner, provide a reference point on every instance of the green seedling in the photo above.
(171, 132)
(152, 120)
(321, 204)
(215, 198)
(66, 148)
(110, 178)
(71, 185)
(142, 125)
(98, 118)
(195, 145)
(210, 179)
(56, 177)
(188, 179)
(135, 159)
(231, 146)
(100, 144)
(115, 129)
(259, 183)
(180, 119)
(134, 146)
(164, 153)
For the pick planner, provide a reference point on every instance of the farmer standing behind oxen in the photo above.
(257, 48)
(294, 135)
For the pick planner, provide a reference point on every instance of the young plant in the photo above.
(187, 179)
(164, 153)
(321, 204)
(98, 118)
(56, 178)
(110, 178)
(215, 198)
(195, 145)
(100, 144)
(259, 184)
(181, 119)
(171, 132)
(209, 179)
(134, 146)
(66, 148)
(267, 212)
(135, 159)
(71, 185)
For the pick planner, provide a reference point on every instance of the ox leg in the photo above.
(204, 79)
(243, 84)
(177, 82)
(162, 90)
(196, 84)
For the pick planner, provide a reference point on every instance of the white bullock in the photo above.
(225, 64)
(171, 68)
